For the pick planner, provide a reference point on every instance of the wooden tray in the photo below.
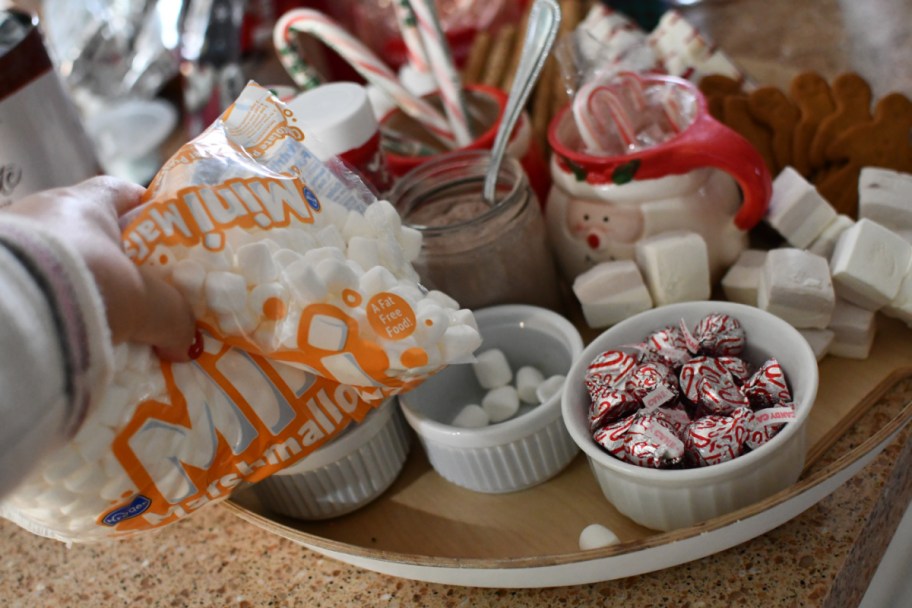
(425, 528)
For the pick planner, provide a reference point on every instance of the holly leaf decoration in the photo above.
(578, 172)
(624, 173)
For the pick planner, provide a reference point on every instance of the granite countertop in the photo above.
(823, 557)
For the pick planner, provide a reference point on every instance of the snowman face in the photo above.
(602, 225)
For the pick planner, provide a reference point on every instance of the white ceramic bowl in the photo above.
(670, 499)
(343, 475)
(520, 452)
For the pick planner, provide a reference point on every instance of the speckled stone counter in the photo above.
(824, 557)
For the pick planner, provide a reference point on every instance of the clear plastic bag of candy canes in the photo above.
(312, 316)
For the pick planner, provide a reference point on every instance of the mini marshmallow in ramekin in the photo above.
(344, 475)
(529, 448)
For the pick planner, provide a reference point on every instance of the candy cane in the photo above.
(589, 119)
(414, 47)
(443, 69)
(365, 62)
(633, 87)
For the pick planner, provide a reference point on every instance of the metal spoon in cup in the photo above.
(544, 18)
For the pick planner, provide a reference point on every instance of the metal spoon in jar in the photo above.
(544, 18)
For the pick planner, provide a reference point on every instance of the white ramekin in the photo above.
(344, 475)
(670, 499)
(517, 453)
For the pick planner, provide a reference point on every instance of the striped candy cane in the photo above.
(443, 69)
(408, 27)
(365, 62)
(616, 111)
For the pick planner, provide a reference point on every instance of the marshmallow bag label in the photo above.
(312, 316)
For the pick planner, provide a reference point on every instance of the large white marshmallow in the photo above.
(824, 244)
(853, 329)
(796, 209)
(869, 263)
(610, 292)
(795, 285)
(900, 306)
(818, 339)
(675, 266)
(885, 197)
(740, 282)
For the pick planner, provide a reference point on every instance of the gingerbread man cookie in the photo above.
(811, 93)
(739, 119)
(852, 96)
(770, 106)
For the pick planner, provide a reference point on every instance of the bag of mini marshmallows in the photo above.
(311, 312)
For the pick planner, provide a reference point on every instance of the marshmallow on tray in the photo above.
(596, 536)
(885, 196)
(796, 209)
(869, 264)
(853, 330)
(824, 244)
(740, 282)
(900, 306)
(610, 292)
(819, 340)
(795, 285)
(676, 267)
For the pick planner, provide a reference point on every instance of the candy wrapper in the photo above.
(312, 315)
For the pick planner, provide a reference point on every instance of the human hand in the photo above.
(140, 307)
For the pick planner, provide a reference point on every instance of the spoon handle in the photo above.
(544, 18)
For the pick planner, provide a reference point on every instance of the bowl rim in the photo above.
(514, 428)
(600, 458)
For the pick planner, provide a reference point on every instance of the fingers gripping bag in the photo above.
(311, 312)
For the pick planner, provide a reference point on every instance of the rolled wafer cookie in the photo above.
(499, 56)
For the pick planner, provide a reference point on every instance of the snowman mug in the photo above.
(705, 178)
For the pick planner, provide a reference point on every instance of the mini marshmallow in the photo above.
(795, 285)
(330, 236)
(492, 369)
(410, 239)
(869, 263)
(853, 330)
(88, 477)
(463, 316)
(286, 257)
(92, 441)
(431, 323)
(268, 301)
(551, 386)
(382, 215)
(336, 275)
(226, 292)
(67, 462)
(528, 379)
(189, 276)
(500, 403)
(796, 209)
(443, 299)
(240, 323)
(741, 280)
(256, 264)
(675, 266)
(364, 251)
(900, 306)
(301, 241)
(222, 259)
(375, 280)
(596, 536)
(356, 225)
(305, 284)
(610, 292)
(885, 197)
(818, 339)
(471, 417)
(458, 343)
(824, 244)
(318, 254)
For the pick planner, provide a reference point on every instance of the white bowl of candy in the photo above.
(495, 425)
(683, 426)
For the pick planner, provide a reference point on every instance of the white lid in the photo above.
(336, 117)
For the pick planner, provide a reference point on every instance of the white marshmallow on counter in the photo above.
(675, 266)
(796, 209)
(824, 244)
(500, 403)
(885, 197)
(900, 307)
(869, 263)
(610, 292)
(492, 369)
(596, 536)
(740, 282)
(818, 339)
(853, 330)
(471, 416)
(528, 379)
(795, 285)
(550, 387)
(226, 292)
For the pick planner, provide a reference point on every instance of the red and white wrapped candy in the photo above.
(651, 441)
(611, 436)
(714, 439)
(611, 369)
(654, 384)
(668, 345)
(763, 424)
(767, 386)
(717, 335)
(609, 406)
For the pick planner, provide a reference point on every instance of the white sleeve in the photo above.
(55, 347)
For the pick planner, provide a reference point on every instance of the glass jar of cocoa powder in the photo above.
(478, 253)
